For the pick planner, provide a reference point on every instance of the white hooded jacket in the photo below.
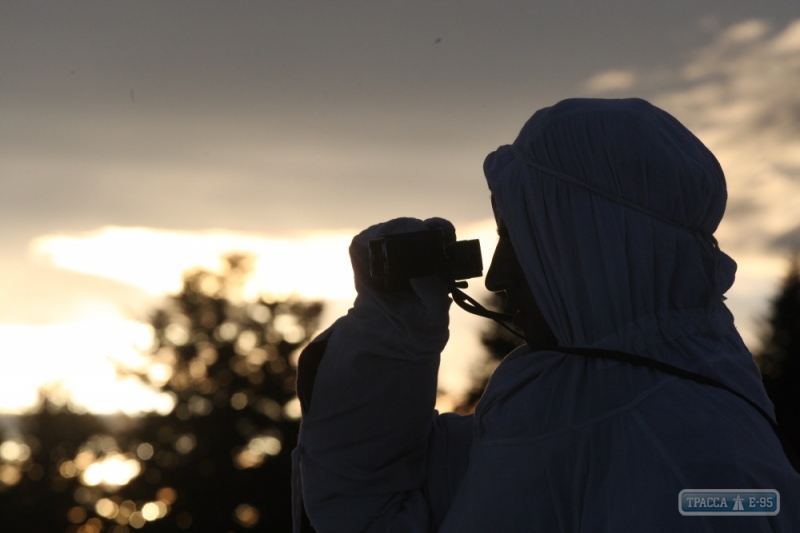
(610, 206)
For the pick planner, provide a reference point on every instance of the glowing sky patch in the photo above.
(314, 266)
(74, 362)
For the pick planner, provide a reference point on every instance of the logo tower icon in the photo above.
(737, 506)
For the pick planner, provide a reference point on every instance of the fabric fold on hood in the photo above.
(611, 206)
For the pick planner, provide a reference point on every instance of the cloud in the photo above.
(745, 32)
(313, 266)
(739, 96)
(611, 80)
(789, 40)
(789, 241)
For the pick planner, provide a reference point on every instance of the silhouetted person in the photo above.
(606, 211)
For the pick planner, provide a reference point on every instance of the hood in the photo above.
(611, 206)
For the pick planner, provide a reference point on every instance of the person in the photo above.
(606, 211)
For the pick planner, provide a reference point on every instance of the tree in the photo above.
(39, 488)
(219, 461)
(225, 450)
(779, 356)
(498, 343)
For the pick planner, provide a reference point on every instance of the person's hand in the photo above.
(422, 309)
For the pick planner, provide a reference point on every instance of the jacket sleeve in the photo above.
(373, 455)
(369, 428)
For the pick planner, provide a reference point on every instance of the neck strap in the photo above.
(470, 305)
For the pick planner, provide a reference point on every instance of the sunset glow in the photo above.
(312, 266)
(75, 363)
(74, 360)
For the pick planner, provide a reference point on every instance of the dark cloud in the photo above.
(787, 242)
(742, 208)
(185, 56)
(245, 177)
(783, 119)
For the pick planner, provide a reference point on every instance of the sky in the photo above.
(140, 139)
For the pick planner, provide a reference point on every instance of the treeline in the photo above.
(220, 460)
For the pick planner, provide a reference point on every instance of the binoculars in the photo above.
(395, 259)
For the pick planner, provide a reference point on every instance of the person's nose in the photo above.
(497, 276)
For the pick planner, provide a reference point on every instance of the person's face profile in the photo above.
(505, 274)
